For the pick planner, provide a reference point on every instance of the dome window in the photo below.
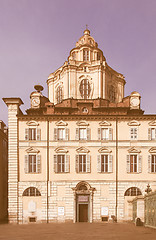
(85, 55)
(85, 89)
(59, 94)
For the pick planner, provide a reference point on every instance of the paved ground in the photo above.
(84, 231)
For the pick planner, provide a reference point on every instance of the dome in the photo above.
(86, 39)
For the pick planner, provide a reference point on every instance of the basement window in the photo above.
(32, 219)
(104, 219)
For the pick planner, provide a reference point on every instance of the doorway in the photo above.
(83, 212)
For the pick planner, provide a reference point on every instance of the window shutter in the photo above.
(128, 163)
(55, 134)
(155, 134)
(77, 163)
(99, 163)
(38, 134)
(149, 163)
(99, 133)
(67, 159)
(77, 134)
(149, 133)
(27, 134)
(110, 166)
(110, 134)
(88, 133)
(26, 163)
(39, 163)
(88, 163)
(55, 164)
(67, 133)
(140, 164)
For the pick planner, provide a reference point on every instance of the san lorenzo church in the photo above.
(82, 153)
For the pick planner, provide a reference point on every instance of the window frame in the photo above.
(85, 88)
(133, 134)
(59, 94)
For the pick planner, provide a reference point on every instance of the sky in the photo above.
(36, 37)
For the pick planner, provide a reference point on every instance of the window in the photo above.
(83, 133)
(133, 191)
(61, 163)
(32, 163)
(33, 134)
(134, 163)
(85, 89)
(85, 55)
(152, 163)
(61, 134)
(152, 134)
(82, 163)
(112, 94)
(104, 163)
(105, 134)
(31, 191)
(98, 56)
(59, 94)
(133, 133)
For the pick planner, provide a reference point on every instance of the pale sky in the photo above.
(36, 37)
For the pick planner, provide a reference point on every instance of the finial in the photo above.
(86, 26)
(38, 88)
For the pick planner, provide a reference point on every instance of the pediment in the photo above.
(32, 150)
(152, 150)
(104, 123)
(134, 150)
(104, 150)
(133, 123)
(82, 123)
(61, 150)
(82, 150)
(152, 123)
(61, 123)
(32, 123)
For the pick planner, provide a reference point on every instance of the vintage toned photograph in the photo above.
(77, 120)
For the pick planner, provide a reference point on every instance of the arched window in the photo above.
(85, 88)
(59, 94)
(112, 93)
(31, 191)
(133, 191)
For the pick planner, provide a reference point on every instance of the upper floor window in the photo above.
(32, 134)
(152, 163)
(61, 133)
(59, 94)
(85, 89)
(83, 133)
(61, 163)
(31, 191)
(133, 133)
(98, 56)
(32, 163)
(82, 163)
(104, 163)
(112, 94)
(134, 162)
(105, 133)
(85, 55)
(152, 134)
(133, 191)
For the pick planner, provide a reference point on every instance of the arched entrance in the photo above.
(83, 201)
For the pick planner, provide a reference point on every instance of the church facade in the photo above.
(84, 152)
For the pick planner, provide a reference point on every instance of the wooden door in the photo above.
(83, 212)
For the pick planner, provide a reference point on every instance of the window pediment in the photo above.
(61, 150)
(133, 123)
(82, 150)
(61, 123)
(105, 123)
(82, 123)
(32, 150)
(134, 150)
(104, 150)
(152, 123)
(32, 123)
(152, 150)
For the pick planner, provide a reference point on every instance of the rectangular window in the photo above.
(133, 163)
(153, 164)
(104, 133)
(153, 133)
(104, 163)
(61, 163)
(82, 163)
(133, 133)
(85, 55)
(83, 133)
(32, 165)
(61, 134)
(32, 133)
(98, 56)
